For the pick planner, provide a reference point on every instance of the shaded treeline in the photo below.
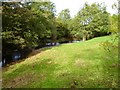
(28, 25)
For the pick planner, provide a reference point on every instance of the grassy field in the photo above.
(73, 65)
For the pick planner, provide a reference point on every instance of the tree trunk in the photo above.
(84, 38)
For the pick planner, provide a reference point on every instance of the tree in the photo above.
(26, 25)
(63, 20)
(29, 23)
(91, 21)
(45, 12)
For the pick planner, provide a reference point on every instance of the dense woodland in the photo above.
(33, 24)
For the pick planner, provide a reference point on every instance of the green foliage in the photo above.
(111, 47)
(29, 24)
(63, 30)
(33, 24)
(64, 15)
(91, 20)
(24, 24)
(114, 24)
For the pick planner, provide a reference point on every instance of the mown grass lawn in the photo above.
(73, 65)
